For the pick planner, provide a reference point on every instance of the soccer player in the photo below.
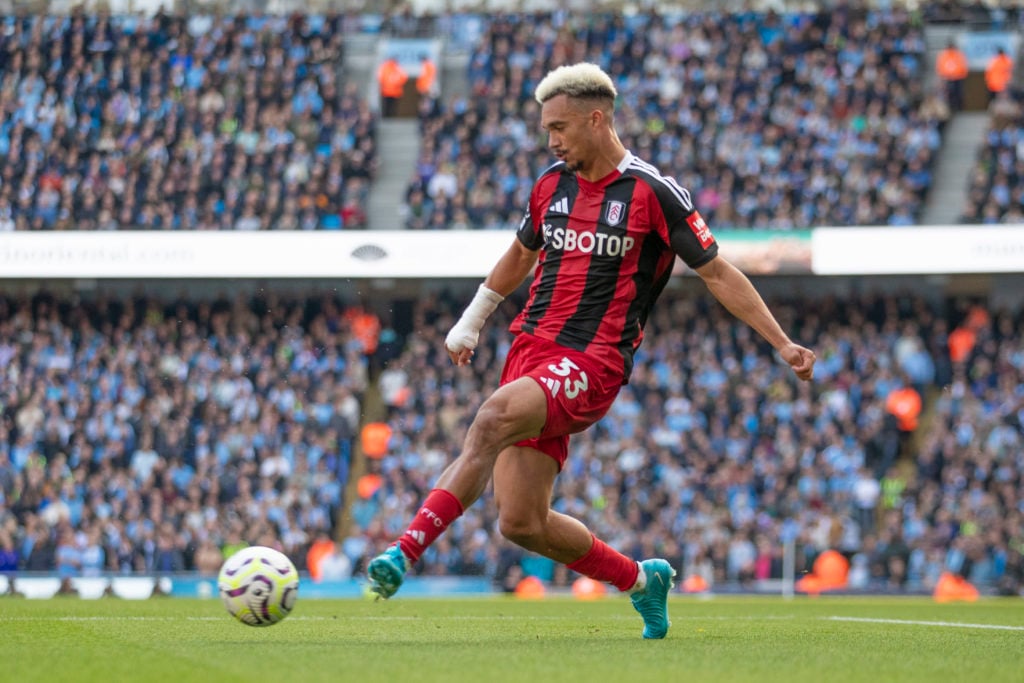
(601, 234)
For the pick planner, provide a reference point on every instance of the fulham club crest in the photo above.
(614, 212)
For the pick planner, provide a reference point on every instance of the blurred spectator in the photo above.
(68, 555)
(9, 557)
(426, 80)
(392, 79)
(904, 403)
(319, 549)
(208, 558)
(998, 73)
(1003, 111)
(402, 22)
(951, 69)
(335, 566)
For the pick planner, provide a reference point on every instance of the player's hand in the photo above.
(800, 359)
(461, 342)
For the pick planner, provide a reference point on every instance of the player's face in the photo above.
(570, 131)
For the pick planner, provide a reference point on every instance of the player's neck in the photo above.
(604, 163)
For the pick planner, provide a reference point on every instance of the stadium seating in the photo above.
(181, 123)
(995, 194)
(774, 122)
(130, 128)
(714, 454)
(137, 433)
(142, 435)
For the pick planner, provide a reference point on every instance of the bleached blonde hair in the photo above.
(583, 80)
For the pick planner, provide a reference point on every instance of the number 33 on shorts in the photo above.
(568, 378)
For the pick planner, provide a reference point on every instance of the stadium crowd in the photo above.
(713, 455)
(144, 436)
(147, 435)
(181, 123)
(772, 121)
(139, 435)
(995, 192)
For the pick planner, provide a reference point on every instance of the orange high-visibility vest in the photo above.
(951, 65)
(392, 79)
(366, 328)
(317, 552)
(961, 342)
(998, 73)
(375, 437)
(425, 81)
(368, 484)
(905, 404)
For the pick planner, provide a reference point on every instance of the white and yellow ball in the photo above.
(258, 585)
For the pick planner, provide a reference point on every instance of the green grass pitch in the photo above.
(484, 640)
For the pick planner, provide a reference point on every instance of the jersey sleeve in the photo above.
(531, 227)
(529, 233)
(688, 233)
(692, 240)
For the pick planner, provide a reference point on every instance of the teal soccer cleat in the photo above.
(652, 601)
(387, 571)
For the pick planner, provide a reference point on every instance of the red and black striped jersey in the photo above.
(607, 251)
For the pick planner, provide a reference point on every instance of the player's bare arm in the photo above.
(735, 291)
(511, 269)
(508, 273)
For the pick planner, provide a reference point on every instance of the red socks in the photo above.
(439, 510)
(601, 563)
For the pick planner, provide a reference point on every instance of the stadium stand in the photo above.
(772, 121)
(996, 184)
(138, 432)
(135, 443)
(143, 435)
(175, 123)
(713, 455)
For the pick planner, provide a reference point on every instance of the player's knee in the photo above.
(522, 531)
(496, 424)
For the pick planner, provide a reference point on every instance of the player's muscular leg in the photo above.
(523, 482)
(514, 412)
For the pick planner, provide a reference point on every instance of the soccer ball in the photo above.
(258, 585)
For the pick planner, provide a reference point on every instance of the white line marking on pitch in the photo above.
(912, 622)
(469, 617)
(394, 617)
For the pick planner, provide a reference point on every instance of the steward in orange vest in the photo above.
(905, 405)
(427, 79)
(392, 78)
(998, 73)
(951, 64)
(951, 68)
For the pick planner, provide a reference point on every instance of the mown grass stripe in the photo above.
(915, 622)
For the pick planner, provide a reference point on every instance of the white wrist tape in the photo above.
(466, 332)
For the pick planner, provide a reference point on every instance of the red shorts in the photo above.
(579, 389)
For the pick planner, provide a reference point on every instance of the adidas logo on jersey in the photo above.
(553, 385)
(417, 536)
(560, 206)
